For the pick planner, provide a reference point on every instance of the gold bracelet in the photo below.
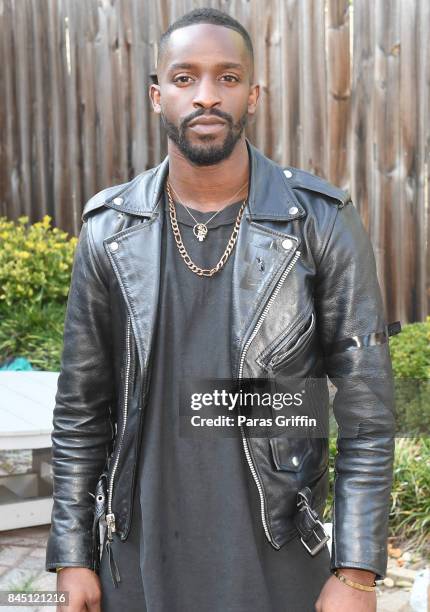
(355, 585)
(57, 569)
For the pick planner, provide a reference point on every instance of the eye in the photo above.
(182, 76)
(231, 76)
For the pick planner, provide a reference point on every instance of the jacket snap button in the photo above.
(288, 173)
(295, 461)
(113, 246)
(118, 201)
(287, 244)
(293, 210)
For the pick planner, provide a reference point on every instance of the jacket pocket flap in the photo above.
(289, 453)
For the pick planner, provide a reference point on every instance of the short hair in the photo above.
(206, 15)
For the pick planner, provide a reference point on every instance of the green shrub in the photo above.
(34, 331)
(327, 515)
(410, 352)
(35, 270)
(35, 262)
(410, 495)
(410, 508)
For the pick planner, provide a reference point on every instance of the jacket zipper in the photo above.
(110, 516)
(296, 348)
(242, 360)
(285, 337)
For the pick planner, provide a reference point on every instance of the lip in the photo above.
(206, 121)
(207, 128)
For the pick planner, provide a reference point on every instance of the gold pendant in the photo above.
(200, 230)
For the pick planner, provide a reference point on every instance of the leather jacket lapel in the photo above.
(261, 257)
(263, 249)
(136, 264)
(136, 260)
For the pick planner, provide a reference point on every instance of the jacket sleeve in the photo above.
(354, 337)
(81, 425)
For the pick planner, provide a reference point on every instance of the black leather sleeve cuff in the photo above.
(69, 549)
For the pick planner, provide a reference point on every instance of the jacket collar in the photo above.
(270, 195)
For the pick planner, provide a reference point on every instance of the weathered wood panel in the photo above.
(344, 93)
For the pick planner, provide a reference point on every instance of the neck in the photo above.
(210, 187)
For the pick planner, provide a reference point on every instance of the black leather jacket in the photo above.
(312, 309)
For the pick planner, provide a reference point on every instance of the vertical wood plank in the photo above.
(362, 113)
(313, 103)
(24, 98)
(289, 76)
(405, 223)
(422, 88)
(87, 93)
(60, 167)
(338, 91)
(9, 162)
(387, 145)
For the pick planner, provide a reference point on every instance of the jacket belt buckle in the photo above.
(321, 541)
(309, 525)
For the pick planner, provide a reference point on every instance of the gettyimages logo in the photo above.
(222, 408)
(242, 398)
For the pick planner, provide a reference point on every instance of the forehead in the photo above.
(205, 43)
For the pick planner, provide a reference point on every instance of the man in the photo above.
(218, 264)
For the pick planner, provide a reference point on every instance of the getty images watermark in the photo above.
(319, 407)
(223, 407)
(232, 401)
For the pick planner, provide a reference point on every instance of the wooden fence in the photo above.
(344, 93)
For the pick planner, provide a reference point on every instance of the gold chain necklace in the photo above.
(182, 250)
(200, 228)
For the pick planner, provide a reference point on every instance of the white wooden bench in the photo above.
(27, 401)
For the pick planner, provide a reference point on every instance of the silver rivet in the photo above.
(293, 210)
(118, 201)
(288, 173)
(295, 460)
(113, 246)
(287, 244)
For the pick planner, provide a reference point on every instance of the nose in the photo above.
(206, 94)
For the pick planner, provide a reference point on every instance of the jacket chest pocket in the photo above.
(291, 347)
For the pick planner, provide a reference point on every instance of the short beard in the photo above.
(213, 154)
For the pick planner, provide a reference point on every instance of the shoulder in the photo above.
(106, 195)
(307, 185)
(130, 196)
(325, 204)
(103, 216)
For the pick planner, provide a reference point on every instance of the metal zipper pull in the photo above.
(114, 572)
(112, 565)
(110, 520)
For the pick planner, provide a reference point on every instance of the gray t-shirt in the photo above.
(202, 544)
